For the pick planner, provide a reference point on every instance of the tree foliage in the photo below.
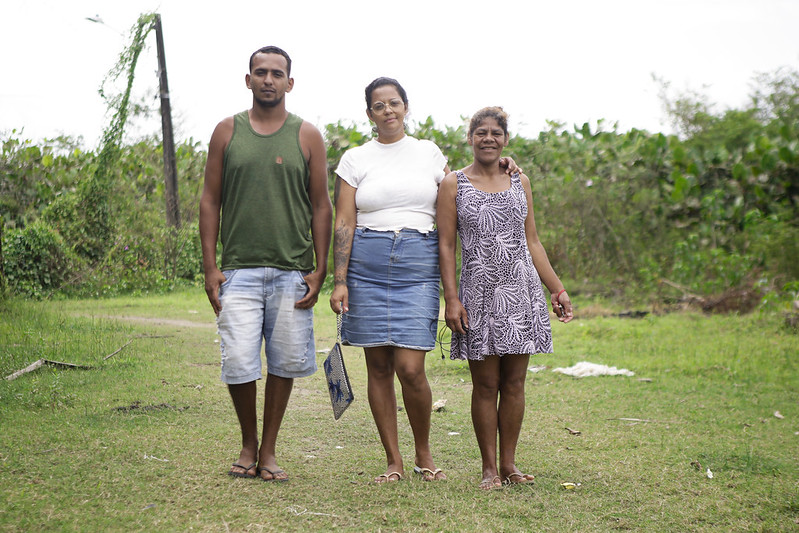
(83, 215)
(713, 207)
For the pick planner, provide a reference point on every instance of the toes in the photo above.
(491, 483)
(518, 478)
(388, 477)
(276, 474)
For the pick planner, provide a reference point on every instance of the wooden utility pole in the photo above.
(2, 263)
(170, 167)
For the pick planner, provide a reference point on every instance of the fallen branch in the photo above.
(109, 356)
(143, 336)
(742, 298)
(688, 297)
(41, 362)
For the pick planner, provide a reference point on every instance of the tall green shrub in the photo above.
(37, 261)
(84, 217)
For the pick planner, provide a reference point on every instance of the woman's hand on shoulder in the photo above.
(510, 166)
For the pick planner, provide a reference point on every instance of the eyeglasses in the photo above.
(395, 105)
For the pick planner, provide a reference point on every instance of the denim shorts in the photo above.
(393, 289)
(258, 305)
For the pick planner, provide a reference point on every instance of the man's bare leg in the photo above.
(276, 397)
(243, 397)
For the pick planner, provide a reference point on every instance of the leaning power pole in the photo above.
(170, 167)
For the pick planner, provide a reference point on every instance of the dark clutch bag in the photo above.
(338, 383)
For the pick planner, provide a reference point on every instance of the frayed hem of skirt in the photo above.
(392, 344)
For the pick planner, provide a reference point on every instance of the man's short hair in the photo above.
(272, 50)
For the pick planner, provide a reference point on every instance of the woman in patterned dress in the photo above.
(498, 315)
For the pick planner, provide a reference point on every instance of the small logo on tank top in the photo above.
(279, 160)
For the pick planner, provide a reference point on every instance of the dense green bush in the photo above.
(37, 260)
(34, 175)
(130, 267)
(773, 240)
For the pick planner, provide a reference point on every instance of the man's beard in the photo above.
(270, 103)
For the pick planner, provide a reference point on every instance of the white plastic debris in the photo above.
(584, 369)
(709, 474)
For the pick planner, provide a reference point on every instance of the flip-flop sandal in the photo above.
(242, 474)
(427, 474)
(523, 479)
(388, 479)
(274, 478)
(491, 484)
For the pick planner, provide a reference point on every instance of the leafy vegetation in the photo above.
(646, 217)
(710, 212)
(83, 215)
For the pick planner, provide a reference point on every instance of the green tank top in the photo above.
(266, 207)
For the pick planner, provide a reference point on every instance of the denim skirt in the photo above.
(393, 290)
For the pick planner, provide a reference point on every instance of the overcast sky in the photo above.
(571, 61)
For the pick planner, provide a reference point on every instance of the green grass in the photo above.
(142, 440)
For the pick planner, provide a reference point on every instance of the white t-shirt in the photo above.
(397, 183)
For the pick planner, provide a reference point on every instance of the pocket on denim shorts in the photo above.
(301, 278)
(229, 275)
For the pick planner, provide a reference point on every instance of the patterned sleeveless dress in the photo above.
(499, 286)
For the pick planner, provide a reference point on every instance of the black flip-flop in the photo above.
(240, 474)
(273, 472)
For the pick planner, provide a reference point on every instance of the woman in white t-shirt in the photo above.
(386, 269)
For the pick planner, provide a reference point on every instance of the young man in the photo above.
(267, 175)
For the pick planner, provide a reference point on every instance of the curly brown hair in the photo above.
(495, 112)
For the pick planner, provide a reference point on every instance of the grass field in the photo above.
(142, 441)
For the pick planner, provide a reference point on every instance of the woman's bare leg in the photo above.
(485, 390)
(383, 403)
